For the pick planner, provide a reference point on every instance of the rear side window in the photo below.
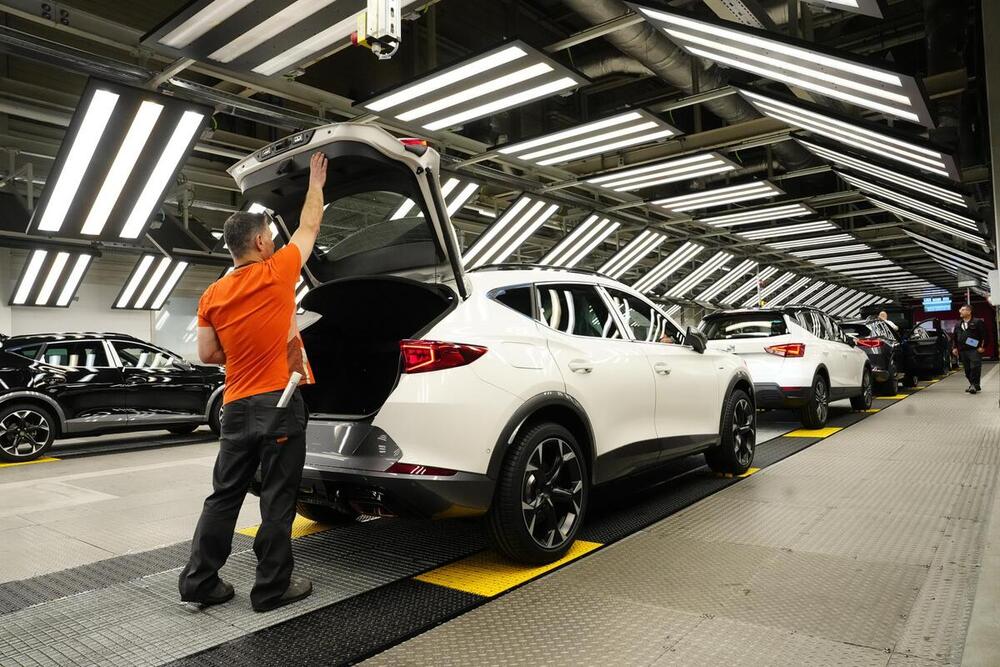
(577, 310)
(29, 351)
(745, 325)
(859, 330)
(88, 354)
(518, 298)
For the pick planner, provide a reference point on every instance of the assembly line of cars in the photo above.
(506, 392)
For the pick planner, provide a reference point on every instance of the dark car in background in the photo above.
(66, 385)
(941, 330)
(927, 353)
(879, 341)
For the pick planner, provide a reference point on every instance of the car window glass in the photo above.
(136, 355)
(29, 351)
(518, 298)
(88, 354)
(577, 310)
(826, 326)
(744, 325)
(645, 321)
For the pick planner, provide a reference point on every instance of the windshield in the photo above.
(744, 325)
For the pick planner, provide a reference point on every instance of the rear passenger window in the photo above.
(518, 298)
(646, 322)
(29, 351)
(89, 354)
(577, 310)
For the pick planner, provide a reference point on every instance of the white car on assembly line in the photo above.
(505, 391)
(798, 357)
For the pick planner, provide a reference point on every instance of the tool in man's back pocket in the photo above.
(280, 421)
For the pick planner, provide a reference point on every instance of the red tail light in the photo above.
(787, 350)
(870, 343)
(422, 356)
(414, 469)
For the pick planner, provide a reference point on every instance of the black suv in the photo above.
(65, 385)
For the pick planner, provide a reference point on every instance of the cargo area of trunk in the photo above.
(353, 349)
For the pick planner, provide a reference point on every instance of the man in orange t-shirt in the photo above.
(246, 320)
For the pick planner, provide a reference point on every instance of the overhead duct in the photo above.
(665, 59)
(611, 63)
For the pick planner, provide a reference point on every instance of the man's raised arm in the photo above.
(312, 210)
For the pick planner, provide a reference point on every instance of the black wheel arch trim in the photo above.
(34, 395)
(741, 376)
(216, 393)
(524, 413)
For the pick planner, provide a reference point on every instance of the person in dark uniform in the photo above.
(969, 341)
(246, 320)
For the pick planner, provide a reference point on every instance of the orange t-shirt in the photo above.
(253, 313)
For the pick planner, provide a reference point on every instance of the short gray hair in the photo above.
(239, 230)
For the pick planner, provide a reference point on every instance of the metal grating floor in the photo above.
(862, 550)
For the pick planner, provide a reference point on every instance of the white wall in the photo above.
(92, 311)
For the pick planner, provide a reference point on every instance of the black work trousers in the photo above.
(972, 362)
(254, 432)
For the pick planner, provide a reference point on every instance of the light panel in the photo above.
(122, 151)
(579, 243)
(760, 298)
(909, 202)
(714, 263)
(868, 137)
(873, 8)
(632, 128)
(838, 250)
(749, 286)
(808, 292)
(506, 77)
(785, 294)
(666, 171)
(788, 230)
(769, 214)
(151, 282)
(831, 297)
(820, 295)
(678, 258)
(506, 235)
(455, 191)
(50, 278)
(927, 222)
(633, 253)
(673, 310)
(727, 280)
(896, 178)
(794, 62)
(957, 260)
(266, 38)
(841, 259)
(816, 241)
(720, 196)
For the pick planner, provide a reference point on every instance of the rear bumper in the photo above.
(391, 494)
(771, 395)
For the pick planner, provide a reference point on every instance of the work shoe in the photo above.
(973, 390)
(299, 588)
(221, 592)
(970, 389)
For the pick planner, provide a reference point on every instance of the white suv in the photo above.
(507, 391)
(798, 357)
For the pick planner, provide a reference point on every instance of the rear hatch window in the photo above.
(734, 326)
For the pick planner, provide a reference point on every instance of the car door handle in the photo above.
(661, 368)
(582, 367)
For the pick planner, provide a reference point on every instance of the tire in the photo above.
(737, 437)
(215, 417)
(891, 386)
(26, 432)
(814, 413)
(909, 380)
(864, 401)
(183, 430)
(323, 513)
(541, 496)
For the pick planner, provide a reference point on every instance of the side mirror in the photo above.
(696, 339)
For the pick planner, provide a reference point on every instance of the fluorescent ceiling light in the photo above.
(900, 179)
(820, 295)
(153, 275)
(927, 222)
(580, 242)
(128, 153)
(673, 310)
(846, 268)
(952, 257)
(750, 285)
(832, 297)
(204, 20)
(788, 230)
(724, 283)
(805, 243)
(643, 244)
(169, 284)
(813, 288)
(48, 273)
(819, 252)
(715, 263)
(95, 121)
(28, 276)
(862, 135)
(873, 8)
(766, 290)
(668, 266)
(147, 291)
(910, 202)
(631, 128)
(794, 62)
(840, 259)
(175, 151)
(784, 295)
(455, 192)
(668, 171)
(73, 281)
(769, 214)
(503, 78)
(506, 235)
(55, 272)
(719, 196)
(271, 27)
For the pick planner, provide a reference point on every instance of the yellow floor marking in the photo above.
(873, 410)
(487, 573)
(300, 528)
(44, 459)
(892, 398)
(814, 432)
(932, 381)
(727, 475)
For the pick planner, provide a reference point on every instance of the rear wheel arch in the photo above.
(742, 381)
(555, 407)
(40, 401)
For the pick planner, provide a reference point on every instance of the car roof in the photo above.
(68, 336)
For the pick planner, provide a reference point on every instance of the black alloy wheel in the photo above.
(814, 413)
(864, 400)
(26, 433)
(541, 496)
(738, 437)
